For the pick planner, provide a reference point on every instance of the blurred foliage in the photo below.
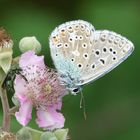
(112, 102)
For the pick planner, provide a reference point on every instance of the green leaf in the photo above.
(2, 76)
(48, 136)
(61, 134)
(5, 61)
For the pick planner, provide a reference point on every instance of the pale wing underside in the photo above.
(93, 53)
(108, 51)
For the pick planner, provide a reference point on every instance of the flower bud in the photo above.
(48, 136)
(29, 43)
(24, 134)
(61, 134)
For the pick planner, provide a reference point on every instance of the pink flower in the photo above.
(39, 88)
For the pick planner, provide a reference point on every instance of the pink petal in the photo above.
(29, 58)
(57, 106)
(24, 114)
(20, 88)
(49, 119)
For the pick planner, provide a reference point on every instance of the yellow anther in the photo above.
(47, 89)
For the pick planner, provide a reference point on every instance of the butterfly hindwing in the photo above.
(108, 50)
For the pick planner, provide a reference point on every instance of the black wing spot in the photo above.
(102, 61)
(114, 58)
(79, 65)
(111, 49)
(104, 49)
(97, 52)
(114, 52)
(93, 66)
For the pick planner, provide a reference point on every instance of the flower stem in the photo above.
(6, 114)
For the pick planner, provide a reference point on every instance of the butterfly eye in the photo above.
(75, 90)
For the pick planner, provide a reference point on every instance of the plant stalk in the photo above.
(6, 108)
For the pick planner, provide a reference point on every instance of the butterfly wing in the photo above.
(108, 50)
(68, 43)
(83, 54)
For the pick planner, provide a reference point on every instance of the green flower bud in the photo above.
(29, 43)
(61, 134)
(24, 134)
(27, 133)
(15, 101)
(48, 136)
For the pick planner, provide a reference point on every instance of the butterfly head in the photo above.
(75, 90)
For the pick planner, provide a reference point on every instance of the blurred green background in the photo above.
(112, 102)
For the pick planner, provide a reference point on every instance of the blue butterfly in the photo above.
(82, 54)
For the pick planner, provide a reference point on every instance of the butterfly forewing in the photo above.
(72, 41)
(87, 54)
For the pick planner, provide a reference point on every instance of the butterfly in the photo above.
(82, 54)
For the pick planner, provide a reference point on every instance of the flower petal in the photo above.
(49, 119)
(20, 88)
(57, 106)
(24, 114)
(29, 58)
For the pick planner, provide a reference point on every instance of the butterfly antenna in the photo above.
(82, 105)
